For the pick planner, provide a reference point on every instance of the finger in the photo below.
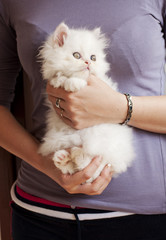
(72, 182)
(53, 91)
(88, 171)
(99, 184)
(92, 79)
(103, 180)
(53, 100)
(61, 112)
(56, 92)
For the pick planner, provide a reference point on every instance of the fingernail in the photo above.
(109, 165)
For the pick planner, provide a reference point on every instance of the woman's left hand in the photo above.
(94, 104)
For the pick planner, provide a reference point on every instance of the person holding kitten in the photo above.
(46, 203)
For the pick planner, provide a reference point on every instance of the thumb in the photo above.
(92, 80)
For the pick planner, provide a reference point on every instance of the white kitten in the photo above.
(68, 57)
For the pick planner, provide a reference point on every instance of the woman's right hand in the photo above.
(76, 183)
(15, 139)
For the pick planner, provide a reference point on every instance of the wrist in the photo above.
(118, 108)
(129, 110)
(123, 109)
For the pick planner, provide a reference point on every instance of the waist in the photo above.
(58, 210)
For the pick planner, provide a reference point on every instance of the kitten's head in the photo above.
(74, 52)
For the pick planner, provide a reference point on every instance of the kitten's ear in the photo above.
(97, 31)
(60, 34)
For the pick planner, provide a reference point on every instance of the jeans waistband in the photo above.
(60, 210)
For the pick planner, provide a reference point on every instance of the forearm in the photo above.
(149, 113)
(97, 103)
(18, 141)
(15, 139)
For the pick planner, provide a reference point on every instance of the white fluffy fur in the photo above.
(111, 141)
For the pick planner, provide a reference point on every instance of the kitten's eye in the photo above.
(93, 57)
(77, 55)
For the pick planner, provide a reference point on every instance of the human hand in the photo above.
(94, 104)
(76, 183)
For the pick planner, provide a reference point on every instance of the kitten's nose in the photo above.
(87, 62)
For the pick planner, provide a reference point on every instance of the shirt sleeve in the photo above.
(9, 62)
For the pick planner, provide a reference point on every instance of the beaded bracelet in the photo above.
(130, 109)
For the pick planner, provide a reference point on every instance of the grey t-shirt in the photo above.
(137, 56)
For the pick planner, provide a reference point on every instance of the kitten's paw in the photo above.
(62, 160)
(79, 158)
(74, 84)
(82, 160)
(58, 82)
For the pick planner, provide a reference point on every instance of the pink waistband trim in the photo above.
(40, 200)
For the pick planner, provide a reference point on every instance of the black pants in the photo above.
(31, 226)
